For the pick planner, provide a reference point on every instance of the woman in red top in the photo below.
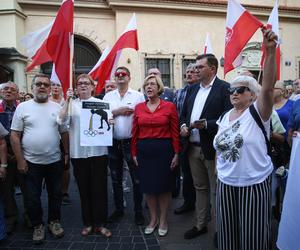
(155, 148)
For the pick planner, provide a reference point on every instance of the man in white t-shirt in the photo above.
(122, 103)
(35, 137)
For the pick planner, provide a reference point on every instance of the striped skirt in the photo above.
(244, 216)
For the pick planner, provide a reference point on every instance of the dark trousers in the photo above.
(2, 222)
(91, 177)
(117, 153)
(52, 173)
(188, 189)
(7, 192)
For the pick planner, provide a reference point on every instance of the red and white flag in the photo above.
(53, 43)
(273, 23)
(103, 69)
(240, 27)
(207, 47)
(101, 59)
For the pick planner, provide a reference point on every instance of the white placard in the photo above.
(95, 129)
(289, 227)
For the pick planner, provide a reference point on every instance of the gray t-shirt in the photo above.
(41, 132)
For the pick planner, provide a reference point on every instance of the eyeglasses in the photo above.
(121, 74)
(83, 83)
(55, 85)
(39, 84)
(13, 90)
(238, 90)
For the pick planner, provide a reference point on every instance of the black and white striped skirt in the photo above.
(244, 216)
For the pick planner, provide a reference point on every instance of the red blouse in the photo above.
(162, 123)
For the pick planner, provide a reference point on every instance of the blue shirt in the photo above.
(284, 114)
(294, 121)
(180, 98)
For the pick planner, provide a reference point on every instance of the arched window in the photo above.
(86, 56)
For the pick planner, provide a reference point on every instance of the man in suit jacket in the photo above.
(204, 104)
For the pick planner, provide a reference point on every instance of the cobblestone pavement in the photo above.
(126, 235)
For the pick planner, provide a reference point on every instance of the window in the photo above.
(6, 74)
(164, 67)
(86, 56)
(185, 63)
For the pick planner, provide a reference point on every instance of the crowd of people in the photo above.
(225, 140)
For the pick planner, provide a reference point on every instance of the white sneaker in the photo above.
(56, 229)
(38, 235)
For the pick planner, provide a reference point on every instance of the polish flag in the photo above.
(273, 24)
(54, 77)
(240, 27)
(207, 47)
(104, 68)
(101, 59)
(53, 44)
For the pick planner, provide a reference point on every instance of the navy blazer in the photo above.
(217, 102)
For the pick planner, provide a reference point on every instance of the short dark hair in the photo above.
(39, 75)
(211, 60)
(123, 68)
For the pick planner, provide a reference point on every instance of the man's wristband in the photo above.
(3, 165)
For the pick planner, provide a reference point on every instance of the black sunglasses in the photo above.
(39, 84)
(238, 90)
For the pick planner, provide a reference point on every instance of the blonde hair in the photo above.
(159, 83)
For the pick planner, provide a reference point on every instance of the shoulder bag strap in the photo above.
(258, 121)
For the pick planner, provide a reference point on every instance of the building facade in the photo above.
(171, 33)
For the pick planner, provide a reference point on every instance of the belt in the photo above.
(123, 140)
(196, 144)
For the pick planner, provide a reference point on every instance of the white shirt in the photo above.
(41, 132)
(77, 151)
(123, 124)
(294, 97)
(242, 157)
(200, 100)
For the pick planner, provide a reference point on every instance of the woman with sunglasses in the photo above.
(243, 164)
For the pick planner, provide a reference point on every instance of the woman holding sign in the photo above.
(89, 163)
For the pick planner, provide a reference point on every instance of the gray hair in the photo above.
(3, 85)
(190, 66)
(247, 81)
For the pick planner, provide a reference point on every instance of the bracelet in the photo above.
(3, 165)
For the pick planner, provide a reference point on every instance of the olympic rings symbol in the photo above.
(91, 133)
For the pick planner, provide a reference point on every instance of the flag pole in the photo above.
(259, 75)
(71, 69)
(71, 60)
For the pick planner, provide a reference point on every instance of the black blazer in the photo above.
(217, 102)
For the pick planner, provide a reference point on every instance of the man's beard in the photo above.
(41, 97)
